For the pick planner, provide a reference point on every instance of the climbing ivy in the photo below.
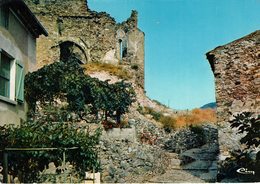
(66, 81)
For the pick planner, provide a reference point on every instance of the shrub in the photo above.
(155, 114)
(250, 125)
(135, 67)
(199, 131)
(38, 134)
(169, 123)
(56, 94)
(109, 124)
(80, 92)
(247, 124)
(140, 109)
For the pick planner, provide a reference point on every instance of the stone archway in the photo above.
(69, 49)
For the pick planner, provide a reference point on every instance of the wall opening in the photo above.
(71, 50)
(211, 58)
(4, 16)
(123, 49)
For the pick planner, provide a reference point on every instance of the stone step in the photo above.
(198, 165)
(210, 176)
(200, 154)
(176, 176)
(214, 165)
(175, 163)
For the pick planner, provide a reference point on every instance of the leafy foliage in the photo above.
(35, 134)
(246, 123)
(58, 95)
(83, 94)
(249, 158)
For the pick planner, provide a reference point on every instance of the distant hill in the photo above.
(211, 105)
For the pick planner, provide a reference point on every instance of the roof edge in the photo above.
(42, 29)
(26, 10)
(257, 32)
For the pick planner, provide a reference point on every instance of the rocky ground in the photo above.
(146, 153)
(138, 160)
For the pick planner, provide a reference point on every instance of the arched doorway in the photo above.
(69, 50)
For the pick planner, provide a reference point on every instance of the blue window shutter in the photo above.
(19, 82)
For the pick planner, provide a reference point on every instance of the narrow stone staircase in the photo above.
(201, 162)
(197, 165)
(175, 173)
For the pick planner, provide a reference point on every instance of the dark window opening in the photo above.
(5, 67)
(71, 51)
(123, 49)
(4, 16)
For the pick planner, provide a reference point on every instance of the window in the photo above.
(123, 49)
(4, 16)
(11, 78)
(5, 69)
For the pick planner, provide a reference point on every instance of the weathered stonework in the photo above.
(87, 35)
(236, 67)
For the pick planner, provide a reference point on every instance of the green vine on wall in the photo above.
(66, 80)
(58, 96)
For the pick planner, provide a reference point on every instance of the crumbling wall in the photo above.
(236, 67)
(59, 7)
(97, 35)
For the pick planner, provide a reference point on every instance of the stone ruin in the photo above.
(76, 31)
(236, 67)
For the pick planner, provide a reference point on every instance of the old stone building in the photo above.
(19, 30)
(76, 31)
(236, 67)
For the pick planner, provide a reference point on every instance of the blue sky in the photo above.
(178, 33)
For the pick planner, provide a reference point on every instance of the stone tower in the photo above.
(89, 36)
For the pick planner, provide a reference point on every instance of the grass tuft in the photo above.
(112, 69)
(196, 116)
(191, 118)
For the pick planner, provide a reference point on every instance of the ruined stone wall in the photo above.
(91, 36)
(236, 68)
